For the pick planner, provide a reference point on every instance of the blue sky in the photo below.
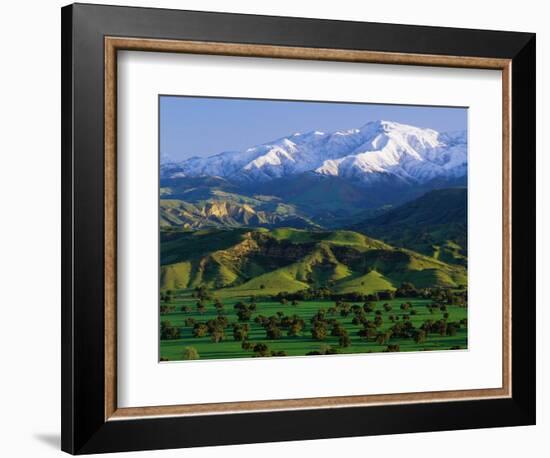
(201, 126)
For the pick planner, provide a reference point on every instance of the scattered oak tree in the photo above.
(190, 353)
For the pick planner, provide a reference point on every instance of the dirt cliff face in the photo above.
(285, 250)
(246, 247)
(222, 209)
(271, 251)
(215, 214)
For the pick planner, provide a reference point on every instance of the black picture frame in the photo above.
(84, 428)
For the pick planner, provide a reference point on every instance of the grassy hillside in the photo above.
(366, 284)
(243, 262)
(434, 224)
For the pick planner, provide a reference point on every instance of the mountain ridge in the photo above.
(378, 152)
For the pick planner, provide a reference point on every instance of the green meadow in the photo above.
(419, 312)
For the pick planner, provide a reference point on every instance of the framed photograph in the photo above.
(271, 222)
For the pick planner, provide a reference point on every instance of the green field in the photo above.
(303, 343)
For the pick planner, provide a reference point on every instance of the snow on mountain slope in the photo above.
(378, 151)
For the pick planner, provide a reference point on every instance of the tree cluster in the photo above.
(407, 289)
(169, 332)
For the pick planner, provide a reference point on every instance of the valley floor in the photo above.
(300, 345)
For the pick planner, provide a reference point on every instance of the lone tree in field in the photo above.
(319, 331)
(328, 350)
(420, 336)
(261, 349)
(219, 305)
(344, 340)
(203, 293)
(452, 329)
(368, 307)
(244, 311)
(295, 326)
(240, 306)
(380, 338)
(345, 310)
(190, 353)
(200, 330)
(189, 321)
(319, 317)
(201, 307)
(240, 332)
(367, 333)
(218, 334)
(244, 315)
(338, 330)
(273, 332)
(383, 337)
(358, 319)
(279, 353)
(169, 332)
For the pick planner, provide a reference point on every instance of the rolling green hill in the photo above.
(243, 261)
(435, 224)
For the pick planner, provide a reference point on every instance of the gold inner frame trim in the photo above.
(114, 44)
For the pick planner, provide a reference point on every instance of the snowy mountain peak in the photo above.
(379, 150)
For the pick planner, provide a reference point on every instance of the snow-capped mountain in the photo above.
(377, 152)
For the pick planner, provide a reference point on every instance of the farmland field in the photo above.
(304, 343)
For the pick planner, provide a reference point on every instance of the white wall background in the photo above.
(30, 225)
